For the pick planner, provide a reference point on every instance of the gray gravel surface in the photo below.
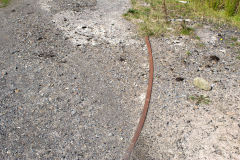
(64, 100)
(177, 127)
(74, 77)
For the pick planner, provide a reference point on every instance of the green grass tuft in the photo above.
(231, 7)
(188, 53)
(132, 13)
(197, 37)
(238, 56)
(3, 3)
(186, 31)
(200, 99)
(234, 39)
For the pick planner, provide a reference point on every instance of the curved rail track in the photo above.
(146, 105)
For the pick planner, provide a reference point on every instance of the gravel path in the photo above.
(74, 77)
(66, 94)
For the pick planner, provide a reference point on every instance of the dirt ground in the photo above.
(74, 75)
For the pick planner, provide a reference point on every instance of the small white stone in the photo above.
(110, 134)
(185, 2)
(202, 84)
(223, 50)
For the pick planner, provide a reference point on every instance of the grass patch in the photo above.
(200, 99)
(148, 17)
(186, 31)
(238, 56)
(3, 3)
(217, 11)
(132, 13)
(235, 44)
(197, 37)
(200, 45)
(154, 18)
(234, 39)
(188, 53)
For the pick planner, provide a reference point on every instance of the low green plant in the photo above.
(186, 31)
(231, 7)
(200, 44)
(235, 44)
(197, 37)
(188, 53)
(3, 3)
(148, 18)
(134, 2)
(215, 4)
(200, 99)
(132, 13)
(234, 39)
(238, 56)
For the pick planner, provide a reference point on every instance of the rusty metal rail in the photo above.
(146, 105)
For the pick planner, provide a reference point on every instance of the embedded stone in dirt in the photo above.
(179, 79)
(122, 59)
(40, 38)
(214, 58)
(202, 84)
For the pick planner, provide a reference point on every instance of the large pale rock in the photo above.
(202, 84)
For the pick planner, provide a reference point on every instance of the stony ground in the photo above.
(67, 100)
(73, 82)
(177, 127)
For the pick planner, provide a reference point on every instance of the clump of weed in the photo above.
(132, 13)
(148, 18)
(186, 31)
(238, 56)
(234, 39)
(200, 99)
(200, 45)
(231, 7)
(235, 44)
(188, 53)
(224, 11)
(3, 3)
(197, 37)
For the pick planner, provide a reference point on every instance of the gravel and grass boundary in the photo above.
(155, 17)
